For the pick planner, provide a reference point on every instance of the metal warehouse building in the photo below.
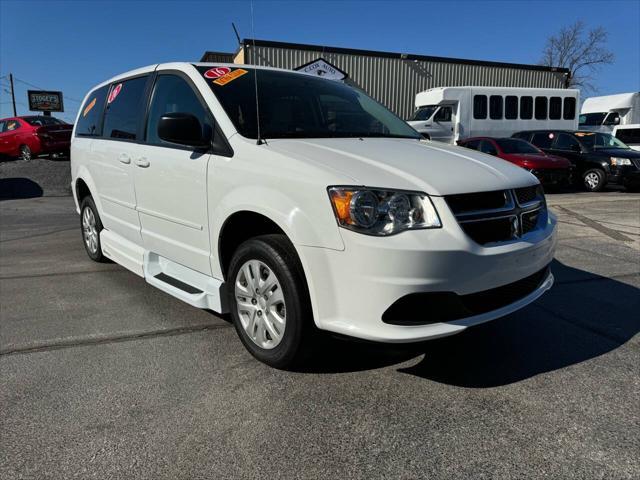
(393, 78)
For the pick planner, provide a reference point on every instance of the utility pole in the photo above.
(13, 96)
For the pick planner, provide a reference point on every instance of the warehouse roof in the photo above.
(374, 53)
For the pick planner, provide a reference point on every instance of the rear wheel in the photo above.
(269, 300)
(91, 226)
(593, 180)
(25, 153)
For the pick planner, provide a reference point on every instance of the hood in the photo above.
(431, 167)
(533, 160)
(617, 152)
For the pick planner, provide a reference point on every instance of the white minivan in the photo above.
(305, 206)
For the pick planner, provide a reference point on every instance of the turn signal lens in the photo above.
(382, 212)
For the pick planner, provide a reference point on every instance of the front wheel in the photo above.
(593, 180)
(269, 300)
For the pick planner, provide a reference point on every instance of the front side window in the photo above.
(526, 108)
(294, 105)
(89, 123)
(567, 142)
(124, 109)
(495, 107)
(542, 139)
(555, 108)
(594, 141)
(479, 107)
(515, 145)
(511, 107)
(612, 119)
(569, 112)
(592, 119)
(487, 147)
(541, 108)
(172, 94)
(424, 113)
(443, 115)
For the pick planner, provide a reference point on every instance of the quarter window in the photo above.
(569, 112)
(89, 122)
(172, 94)
(511, 107)
(124, 108)
(541, 108)
(495, 107)
(479, 107)
(526, 108)
(555, 108)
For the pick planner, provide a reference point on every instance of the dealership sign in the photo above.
(42, 101)
(321, 68)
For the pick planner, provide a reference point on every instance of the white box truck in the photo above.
(601, 114)
(449, 114)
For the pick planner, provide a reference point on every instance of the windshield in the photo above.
(596, 140)
(294, 105)
(514, 145)
(424, 113)
(42, 121)
(592, 119)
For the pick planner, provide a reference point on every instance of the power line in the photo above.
(40, 88)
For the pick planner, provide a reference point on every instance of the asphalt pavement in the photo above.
(103, 376)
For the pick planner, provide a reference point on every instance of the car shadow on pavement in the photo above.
(18, 188)
(583, 316)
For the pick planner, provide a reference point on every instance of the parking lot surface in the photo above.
(103, 376)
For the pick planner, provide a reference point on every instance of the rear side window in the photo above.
(555, 108)
(541, 108)
(172, 94)
(542, 139)
(569, 112)
(526, 108)
(89, 122)
(487, 147)
(124, 109)
(473, 144)
(511, 107)
(630, 136)
(495, 107)
(479, 107)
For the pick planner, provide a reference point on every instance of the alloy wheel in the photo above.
(592, 180)
(260, 303)
(89, 230)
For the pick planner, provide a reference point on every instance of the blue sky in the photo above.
(72, 45)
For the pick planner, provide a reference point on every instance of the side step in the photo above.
(190, 286)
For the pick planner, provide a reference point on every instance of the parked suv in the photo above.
(329, 212)
(599, 158)
(30, 136)
(549, 169)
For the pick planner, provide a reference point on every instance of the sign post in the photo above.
(45, 101)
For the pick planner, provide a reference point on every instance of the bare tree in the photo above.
(582, 52)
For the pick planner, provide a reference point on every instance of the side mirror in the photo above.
(183, 129)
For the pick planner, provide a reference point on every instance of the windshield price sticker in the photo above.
(230, 77)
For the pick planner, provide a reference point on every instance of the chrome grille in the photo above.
(499, 216)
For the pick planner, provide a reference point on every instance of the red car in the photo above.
(29, 136)
(549, 169)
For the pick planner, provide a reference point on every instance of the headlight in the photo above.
(382, 212)
(617, 161)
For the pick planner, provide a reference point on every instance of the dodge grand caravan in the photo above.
(308, 207)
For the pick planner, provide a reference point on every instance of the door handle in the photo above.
(142, 162)
(124, 158)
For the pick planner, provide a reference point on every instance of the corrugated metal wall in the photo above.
(394, 82)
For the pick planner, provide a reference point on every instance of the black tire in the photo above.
(25, 153)
(94, 254)
(589, 181)
(279, 255)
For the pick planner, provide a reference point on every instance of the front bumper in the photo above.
(352, 289)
